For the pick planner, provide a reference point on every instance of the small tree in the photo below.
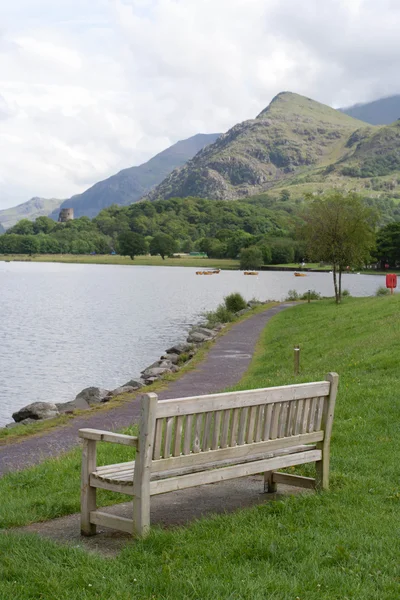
(340, 230)
(251, 258)
(131, 244)
(163, 244)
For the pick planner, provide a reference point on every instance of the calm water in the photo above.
(65, 327)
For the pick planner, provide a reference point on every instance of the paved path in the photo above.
(223, 367)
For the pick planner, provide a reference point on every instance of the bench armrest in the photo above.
(107, 436)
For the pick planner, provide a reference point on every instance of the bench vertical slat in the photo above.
(225, 428)
(234, 427)
(188, 434)
(216, 430)
(251, 424)
(311, 415)
(259, 423)
(242, 426)
(168, 436)
(275, 420)
(319, 413)
(177, 443)
(269, 409)
(304, 419)
(158, 439)
(298, 417)
(283, 419)
(206, 441)
(197, 432)
(290, 423)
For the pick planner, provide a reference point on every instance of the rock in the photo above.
(124, 389)
(36, 411)
(218, 327)
(203, 331)
(156, 372)
(77, 404)
(173, 358)
(28, 421)
(159, 364)
(92, 395)
(242, 312)
(179, 349)
(151, 380)
(135, 383)
(198, 338)
(254, 303)
(11, 425)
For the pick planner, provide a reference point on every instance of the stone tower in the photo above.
(66, 214)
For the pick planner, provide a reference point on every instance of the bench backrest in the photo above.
(192, 431)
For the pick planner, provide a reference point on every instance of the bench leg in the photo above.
(270, 486)
(322, 472)
(141, 515)
(88, 493)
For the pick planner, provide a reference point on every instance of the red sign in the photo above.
(391, 280)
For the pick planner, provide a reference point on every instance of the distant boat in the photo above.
(300, 275)
(251, 273)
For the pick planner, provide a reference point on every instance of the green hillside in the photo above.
(292, 135)
(34, 208)
(295, 144)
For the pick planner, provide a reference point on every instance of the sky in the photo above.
(88, 87)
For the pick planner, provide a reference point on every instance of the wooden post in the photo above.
(88, 494)
(322, 466)
(144, 452)
(309, 297)
(270, 486)
(296, 360)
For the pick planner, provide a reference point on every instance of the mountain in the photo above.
(293, 135)
(379, 112)
(129, 185)
(35, 207)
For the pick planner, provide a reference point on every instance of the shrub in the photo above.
(220, 315)
(235, 302)
(312, 294)
(292, 295)
(346, 294)
(382, 291)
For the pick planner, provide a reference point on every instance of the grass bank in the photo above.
(107, 259)
(338, 545)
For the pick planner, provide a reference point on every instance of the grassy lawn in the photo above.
(107, 259)
(339, 545)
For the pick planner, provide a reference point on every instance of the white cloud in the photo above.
(87, 88)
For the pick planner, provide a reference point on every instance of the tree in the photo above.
(340, 230)
(388, 244)
(43, 225)
(162, 244)
(131, 244)
(251, 258)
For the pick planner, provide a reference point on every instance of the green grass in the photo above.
(108, 259)
(338, 545)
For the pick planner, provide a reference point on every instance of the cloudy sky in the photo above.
(88, 87)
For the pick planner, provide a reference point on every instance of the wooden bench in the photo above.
(189, 442)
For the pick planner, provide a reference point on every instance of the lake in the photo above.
(65, 327)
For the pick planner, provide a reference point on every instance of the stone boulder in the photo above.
(254, 303)
(24, 422)
(155, 372)
(36, 411)
(179, 349)
(242, 312)
(173, 358)
(124, 389)
(203, 331)
(198, 338)
(135, 383)
(92, 395)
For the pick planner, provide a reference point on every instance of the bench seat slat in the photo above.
(126, 477)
